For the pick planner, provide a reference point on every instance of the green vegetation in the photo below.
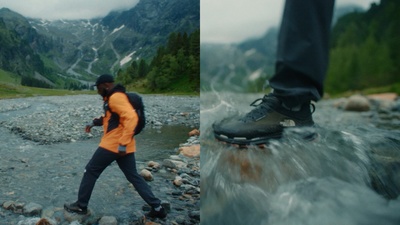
(17, 91)
(10, 88)
(175, 67)
(365, 50)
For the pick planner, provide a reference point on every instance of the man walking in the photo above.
(117, 144)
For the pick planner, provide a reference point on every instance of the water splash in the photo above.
(346, 176)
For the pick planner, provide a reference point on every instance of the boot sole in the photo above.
(243, 142)
(77, 212)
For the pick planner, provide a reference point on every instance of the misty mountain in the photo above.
(17, 39)
(64, 51)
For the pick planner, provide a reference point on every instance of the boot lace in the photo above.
(262, 107)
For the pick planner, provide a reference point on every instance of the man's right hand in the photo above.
(88, 127)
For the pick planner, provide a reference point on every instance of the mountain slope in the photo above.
(16, 40)
(80, 50)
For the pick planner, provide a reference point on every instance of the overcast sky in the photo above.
(222, 21)
(66, 9)
(232, 21)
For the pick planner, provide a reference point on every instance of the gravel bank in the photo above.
(60, 119)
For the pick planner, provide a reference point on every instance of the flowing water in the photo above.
(349, 175)
(50, 174)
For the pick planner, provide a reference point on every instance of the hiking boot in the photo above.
(267, 121)
(157, 214)
(75, 208)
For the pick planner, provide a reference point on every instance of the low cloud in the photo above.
(233, 21)
(66, 9)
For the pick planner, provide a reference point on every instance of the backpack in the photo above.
(137, 103)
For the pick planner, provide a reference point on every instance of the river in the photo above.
(348, 175)
(49, 174)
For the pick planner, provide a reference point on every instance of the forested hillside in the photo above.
(71, 54)
(365, 49)
(175, 67)
(16, 53)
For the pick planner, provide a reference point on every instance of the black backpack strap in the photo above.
(113, 122)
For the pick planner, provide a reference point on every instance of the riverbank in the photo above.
(44, 150)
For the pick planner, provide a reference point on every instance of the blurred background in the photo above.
(239, 41)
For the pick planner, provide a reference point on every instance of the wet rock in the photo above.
(46, 221)
(8, 205)
(89, 218)
(177, 181)
(194, 132)
(32, 209)
(15, 207)
(146, 175)
(357, 103)
(48, 212)
(194, 215)
(173, 164)
(154, 165)
(190, 151)
(108, 220)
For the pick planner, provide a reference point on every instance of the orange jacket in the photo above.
(119, 122)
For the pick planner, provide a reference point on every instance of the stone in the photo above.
(48, 212)
(15, 207)
(108, 220)
(177, 181)
(9, 205)
(357, 103)
(153, 164)
(194, 132)
(190, 151)
(173, 164)
(146, 175)
(85, 218)
(32, 209)
(194, 215)
(46, 221)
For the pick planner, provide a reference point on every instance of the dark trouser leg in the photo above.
(100, 160)
(303, 48)
(128, 166)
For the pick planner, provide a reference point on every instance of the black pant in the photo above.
(101, 159)
(303, 50)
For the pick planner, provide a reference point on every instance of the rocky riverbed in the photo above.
(44, 149)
